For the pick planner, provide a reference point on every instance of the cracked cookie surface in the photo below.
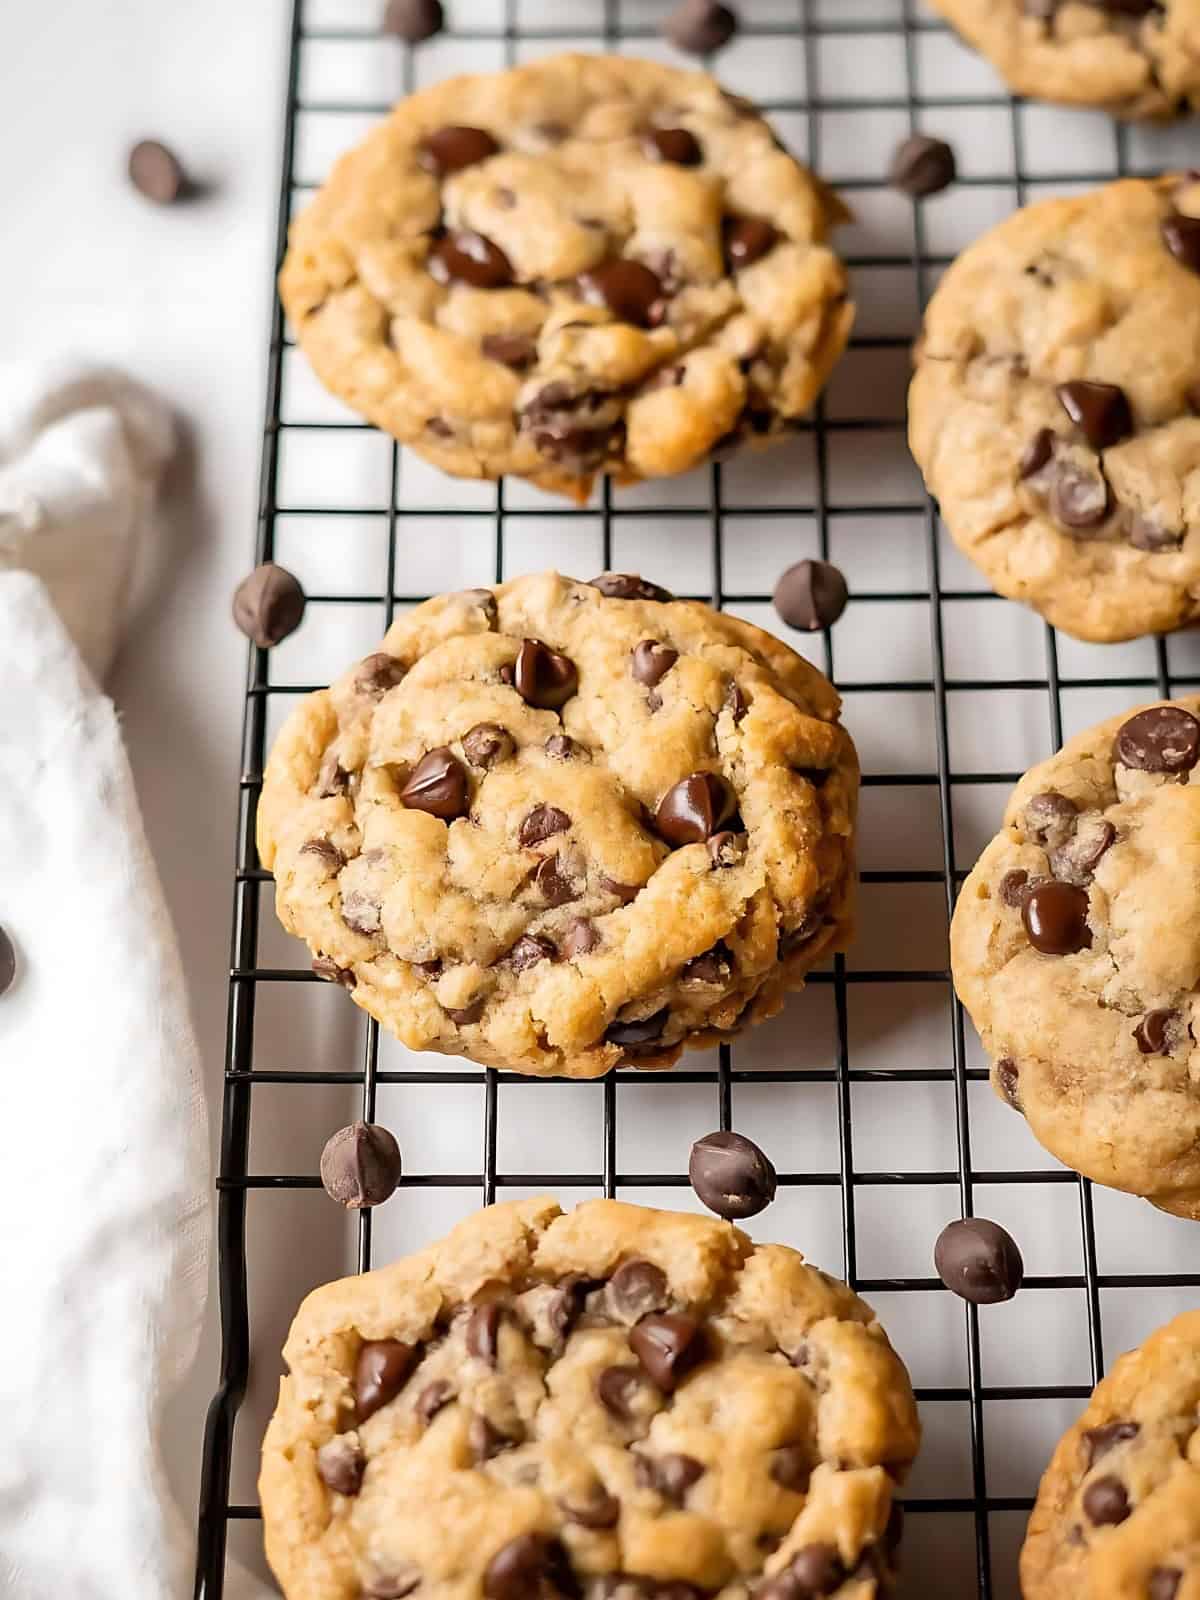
(586, 264)
(1055, 407)
(558, 830)
(1135, 58)
(1075, 947)
(1118, 1512)
(618, 1403)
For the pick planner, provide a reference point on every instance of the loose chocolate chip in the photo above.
(483, 1332)
(1013, 887)
(360, 1165)
(643, 1031)
(1076, 860)
(438, 785)
(652, 661)
(668, 1344)
(1100, 409)
(516, 350)
(599, 1510)
(1008, 1076)
(155, 171)
(562, 748)
(394, 1585)
(342, 1464)
(1055, 918)
(747, 239)
(618, 1388)
(671, 1475)
(543, 677)
(1036, 453)
(979, 1261)
(487, 744)
(922, 165)
(1098, 1442)
(529, 949)
(380, 1372)
(811, 595)
(1050, 817)
(413, 20)
(581, 938)
(432, 1399)
(330, 972)
(1159, 739)
(462, 1016)
(626, 893)
(377, 674)
(468, 257)
(700, 26)
(268, 605)
(555, 886)
(542, 823)
(529, 1567)
(484, 1441)
(8, 962)
(1105, 1502)
(628, 288)
(1079, 498)
(361, 914)
(1182, 238)
(1164, 1583)
(676, 145)
(791, 1467)
(731, 1175)
(636, 1288)
(726, 849)
(628, 586)
(452, 148)
(1151, 1032)
(693, 809)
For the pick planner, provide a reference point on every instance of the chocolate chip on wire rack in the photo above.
(811, 595)
(413, 20)
(360, 1166)
(731, 1175)
(979, 1261)
(700, 26)
(268, 605)
(922, 165)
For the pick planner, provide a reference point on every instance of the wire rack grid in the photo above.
(870, 1090)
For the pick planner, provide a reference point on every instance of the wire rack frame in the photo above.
(235, 1180)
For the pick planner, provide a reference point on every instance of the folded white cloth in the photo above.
(104, 1181)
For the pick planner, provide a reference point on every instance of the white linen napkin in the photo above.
(104, 1178)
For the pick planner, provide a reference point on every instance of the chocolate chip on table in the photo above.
(432, 1399)
(377, 674)
(1163, 1583)
(1181, 236)
(791, 1467)
(454, 147)
(668, 1344)
(483, 1332)
(1159, 739)
(1008, 1075)
(467, 257)
(1105, 1502)
(628, 288)
(8, 962)
(671, 1475)
(652, 661)
(330, 972)
(618, 1390)
(543, 677)
(1099, 1441)
(1151, 1034)
(1079, 497)
(979, 1261)
(1036, 453)
(341, 1464)
(532, 1566)
(1101, 410)
(581, 938)
(1013, 888)
(811, 595)
(380, 1373)
(268, 605)
(675, 145)
(636, 1288)
(922, 165)
(529, 949)
(693, 809)
(598, 1510)
(361, 1165)
(747, 240)
(157, 173)
(438, 785)
(628, 586)
(699, 27)
(414, 20)
(543, 822)
(731, 1175)
(487, 744)
(516, 350)
(633, 1035)
(1055, 918)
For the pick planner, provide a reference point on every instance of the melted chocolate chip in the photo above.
(628, 586)
(1163, 1583)
(433, 1398)
(1008, 1076)
(598, 1510)
(1098, 1442)
(1151, 1033)
(542, 823)
(1101, 410)
(437, 785)
(713, 966)
(979, 1261)
(468, 257)
(735, 700)
(1147, 533)
(330, 972)
(327, 852)
(1036, 453)
(670, 1475)
(529, 949)
(543, 677)
(726, 849)
(361, 1165)
(532, 1566)
(668, 1344)
(618, 1389)
(811, 595)
(515, 350)
(747, 239)
(676, 145)
(1050, 817)
(791, 1467)
(8, 962)
(268, 605)
(342, 1464)
(1055, 918)
(394, 1585)
(581, 938)
(484, 1441)
(1106, 1502)
(332, 779)
(630, 291)
(652, 661)
(1079, 497)
(1159, 739)
(1181, 235)
(640, 1035)
(377, 674)
(731, 1175)
(361, 914)
(380, 1372)
(637, 1287)
(1076, 860)
(563, 748)
(453, 147)
(487, 744)
(555, 886)
(461, 1016)
(626, 893)
(693, 809)
(1013, 888)
(483, 1332)
(813, 1572)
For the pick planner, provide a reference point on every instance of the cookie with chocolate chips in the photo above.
(1134, 58)
(1118, 1510)
(1076, 949)
(560, 827)
(587, 264)
(617, 1403)
(1055, 408)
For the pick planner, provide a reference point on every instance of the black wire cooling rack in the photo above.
(515, 26)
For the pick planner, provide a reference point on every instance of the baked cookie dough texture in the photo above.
(556, 829)
(1135, 58)
(613, 1404)
(1076, 949)
(581, 265)
(1118, 1513)
(1055, 408)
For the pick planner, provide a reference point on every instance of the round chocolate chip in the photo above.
(543, 677)
(530, 1567)
(377, 674)
(342, 1464)
(516, 350)
(8, 962)
(637, 1287)
(483, 1332)
(1099, 1441)
(979, 1261)
(693, 809)
(1159, 739)
(1106, 1502)
(556, 887)
(268, 605)
(360, 1165)
(668, 1344)
(652, 661)
(638, 1033)
(380, 1372)
(731, 1175)
(1036, 453)
(1055, 918)
(543, 822)
(156, 172)
(922, 165)
(628, 586)
(1151, 1033)
(438, 785)
(487, 744)
(468, 257)
(452, 148)
(700, 26)
(581, 938)
(1101, 410)
(670, 1475)
(630, 291)
(811, 595)
(747, 239)
(618, 1389)
(726, 849)
(413, 20)
(1182, 238)
(676, 145)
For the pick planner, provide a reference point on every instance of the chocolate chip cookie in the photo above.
(561, 826)
(1118, 1512)
(587, 264)
(1055, 409)
(613, 1404)
(1076, 949)
(1135, 58)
